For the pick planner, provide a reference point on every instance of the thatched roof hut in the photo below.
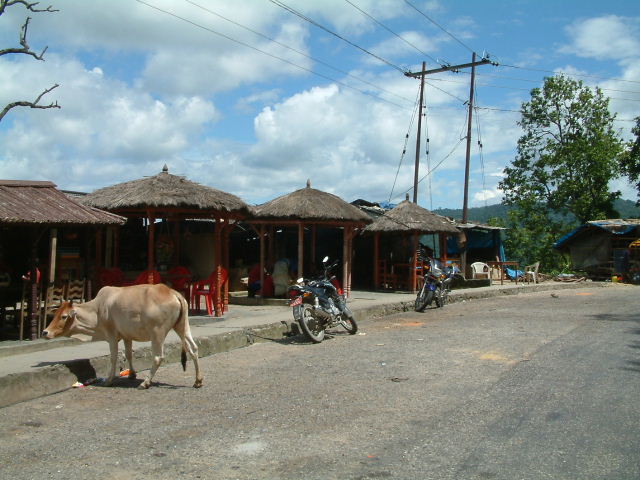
(165, 191)
(311, 205)
(174, 197)
(410, 217)
(26, 202)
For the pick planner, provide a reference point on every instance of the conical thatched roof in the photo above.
(310, 204)
(164, 191)
(407, 217)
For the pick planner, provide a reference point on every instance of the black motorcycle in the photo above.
(319, 304)
(436, 285)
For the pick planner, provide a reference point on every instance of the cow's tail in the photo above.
(183, 325)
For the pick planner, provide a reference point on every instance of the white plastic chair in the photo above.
(531, 272)
(480, 270)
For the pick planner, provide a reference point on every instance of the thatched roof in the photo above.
(165, 191)
(24, 202)
(409, 217)
(310, 204)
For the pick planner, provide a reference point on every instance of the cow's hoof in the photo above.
(144, 385)
(198, 384)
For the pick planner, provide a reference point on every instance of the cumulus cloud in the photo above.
(604, 38)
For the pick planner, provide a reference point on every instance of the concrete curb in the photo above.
(58, 377)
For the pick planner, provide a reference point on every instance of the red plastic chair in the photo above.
(180, 278)
(144, 277)
(208, 289)
(110, 277)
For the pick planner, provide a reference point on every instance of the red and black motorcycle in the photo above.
(319, 304)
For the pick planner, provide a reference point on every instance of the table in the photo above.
(501, 266)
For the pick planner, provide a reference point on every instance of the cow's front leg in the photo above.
(128, 352)
(113, 349)
(158, 357)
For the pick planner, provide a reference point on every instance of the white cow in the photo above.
(138, 312)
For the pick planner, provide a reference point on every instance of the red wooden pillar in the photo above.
(151, 246)
(262, 233)
(300, 249)
(376, 260)
(218, 268)
(414, 263)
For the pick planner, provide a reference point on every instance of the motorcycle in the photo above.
(319, 304)
(436, 285)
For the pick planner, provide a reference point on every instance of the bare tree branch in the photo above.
(25, 46)
(31, 6)
(33, 104)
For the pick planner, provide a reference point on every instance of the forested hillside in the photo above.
(626, 208)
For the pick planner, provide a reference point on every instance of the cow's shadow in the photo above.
(85, 373)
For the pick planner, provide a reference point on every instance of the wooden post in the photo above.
(300, 249)
(151, 235)
(218, 268)
(262, 233)
(376, 260)
(414, 262)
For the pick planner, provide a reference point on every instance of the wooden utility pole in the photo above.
(465, 203)
(417, 164)
(422, 74)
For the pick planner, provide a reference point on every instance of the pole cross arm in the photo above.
(484, 61)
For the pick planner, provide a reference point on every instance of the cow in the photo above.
(138, 312)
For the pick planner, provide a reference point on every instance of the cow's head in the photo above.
(63, 319)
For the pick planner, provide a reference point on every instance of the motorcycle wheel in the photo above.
(349, 324)
(312, 329)
(424, 298)
(442, 297)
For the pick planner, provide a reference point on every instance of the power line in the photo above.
(439, 26)
(391, 31)
(313, 22)
(570, 74)
(266, 37)
(404, 148)
(326, 77)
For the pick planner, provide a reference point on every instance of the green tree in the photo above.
(568, 154)
(566, 157)
(631, 158)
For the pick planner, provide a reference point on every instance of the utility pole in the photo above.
(416, 169)
(447, 68)
(465, 204)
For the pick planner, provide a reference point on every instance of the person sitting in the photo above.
(281, 277)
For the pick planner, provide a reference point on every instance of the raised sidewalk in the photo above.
(32, 369)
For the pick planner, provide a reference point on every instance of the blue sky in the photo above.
(258, 101)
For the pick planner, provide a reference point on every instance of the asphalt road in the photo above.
(535, 386)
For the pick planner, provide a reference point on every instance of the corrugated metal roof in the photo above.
(38, 202)
(618, 226)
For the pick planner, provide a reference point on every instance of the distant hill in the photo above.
(626, 208)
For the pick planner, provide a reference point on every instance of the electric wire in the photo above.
(439, 26)
(406, 141)
(570, 74)
(277, 42)
(331, 32)
(392, 32)
(208, 29)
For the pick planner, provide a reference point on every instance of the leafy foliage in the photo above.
(568, 153)
(631, 158)
(566, 157)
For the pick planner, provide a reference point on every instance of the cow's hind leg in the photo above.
(128, 352)
(189, 345)
(158, 357)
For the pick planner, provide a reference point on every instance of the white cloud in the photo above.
(605, 38)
